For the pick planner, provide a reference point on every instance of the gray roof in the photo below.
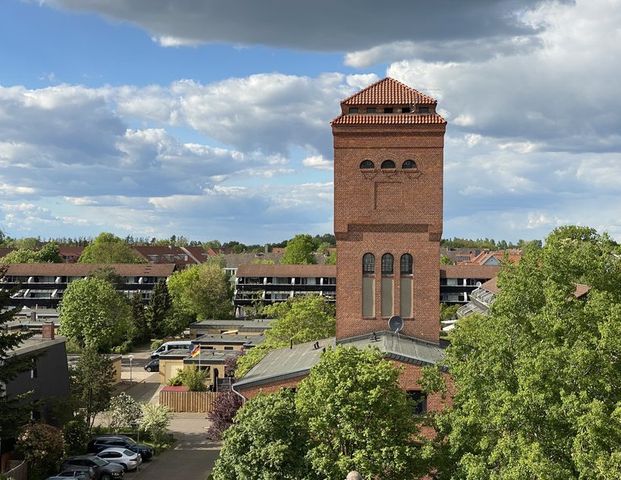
(229, 339)
(36, 343)
(294, 362)
(233, 324)
(285, 363)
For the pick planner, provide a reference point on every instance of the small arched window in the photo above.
(387, 264)
(367, 165)
(409, 164)
(368, 263)
(388, 164)
(406, 264)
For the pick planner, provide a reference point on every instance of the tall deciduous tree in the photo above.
(91, 384)
(538, 380)
(12, 412)
(94, 314)
(358, 417)
(202, 291)
(108, 248)
(300, 250)
(159, 311)
(49, 253)
(266, 442)
(141, 326)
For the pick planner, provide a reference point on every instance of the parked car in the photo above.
(103, 469)
(77, 473)
(101, 442)
(153, 365)
(126, 458)
(173, 345)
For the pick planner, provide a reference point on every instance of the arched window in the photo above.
(368, 285)
(368, 263)
(409, 164)
(406, 281)
(388, 164)
(367, 165)
(387, 264)
(406, 264)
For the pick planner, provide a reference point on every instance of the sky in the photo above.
(210, 119)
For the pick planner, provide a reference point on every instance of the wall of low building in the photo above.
(274, 387)
(169, 369)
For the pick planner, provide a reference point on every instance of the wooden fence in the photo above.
(199, 402)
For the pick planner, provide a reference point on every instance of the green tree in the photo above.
(358, 417)
(159, 311)
(91, 385)
(299, 250)
(155, 421)
(49, 253)
(298, 320)
(42, 446)
(109, 275)
(124, 413)
(266, 442)
(93, 314)
(331, 258)
(202, 291)
(13, 412)
(538, 380)
(108, 248)
(139, 319)
(444, 260)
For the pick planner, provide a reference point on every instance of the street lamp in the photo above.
(131, 359)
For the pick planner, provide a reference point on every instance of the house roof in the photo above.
(469, 271)
(286, 363)
(228, 339)
(36, 343)
(388, 91)
(83, 269)
(491, 285)
(253, 270)
(234, 260)
(232, 324)
(388, 119)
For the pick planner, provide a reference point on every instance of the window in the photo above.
(34, 373)
(353, 110)
(387, 264)
(388, 164)
(371, 110)
(368, 285)
(409, 164)
(406, 264)
(388, 110)
(368, 263)
(423, 109)
(419, 401)
(406, 110)
(367, 165)
(228, 348)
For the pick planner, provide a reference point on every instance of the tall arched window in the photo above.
(408, 164)
(387, 284)
(368, 285)
(367, 165)
(388, 164)
(405, 285)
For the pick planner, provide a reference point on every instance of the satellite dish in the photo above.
(478, 284)
(395, 323)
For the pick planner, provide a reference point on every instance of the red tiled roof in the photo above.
(469, 271)
(286, 270)
(491, 285)
(388, 92)
(388, 119)
(83, 269)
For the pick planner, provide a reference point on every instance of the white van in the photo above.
(174, 345)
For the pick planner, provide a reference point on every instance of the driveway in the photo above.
(193, 456)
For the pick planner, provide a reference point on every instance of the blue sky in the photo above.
(211, 119)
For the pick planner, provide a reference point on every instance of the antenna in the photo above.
(395, 323)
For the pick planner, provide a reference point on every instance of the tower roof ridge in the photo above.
(388, 91)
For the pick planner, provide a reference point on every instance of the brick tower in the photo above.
(388, 176)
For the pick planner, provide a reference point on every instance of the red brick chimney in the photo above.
(47, 330)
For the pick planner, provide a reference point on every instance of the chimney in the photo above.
(33, 316)
(47, 330)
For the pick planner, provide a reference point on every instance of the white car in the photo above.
(128, 459)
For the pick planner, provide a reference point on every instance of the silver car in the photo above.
(126, 458)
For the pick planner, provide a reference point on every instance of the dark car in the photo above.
(153, 365)
(102, 469)
(101, 442)
(77, 473)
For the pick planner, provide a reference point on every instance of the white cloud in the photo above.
(318, 162)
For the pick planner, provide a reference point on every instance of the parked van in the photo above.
(174, 345)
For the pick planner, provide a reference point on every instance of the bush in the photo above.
(192, 378)
(124, 413)
(155, 421)
(75, 433)
(42, 446)
(123, 348)
(222, 415)
(157, 343)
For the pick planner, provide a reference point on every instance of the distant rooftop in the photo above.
(36, 343)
